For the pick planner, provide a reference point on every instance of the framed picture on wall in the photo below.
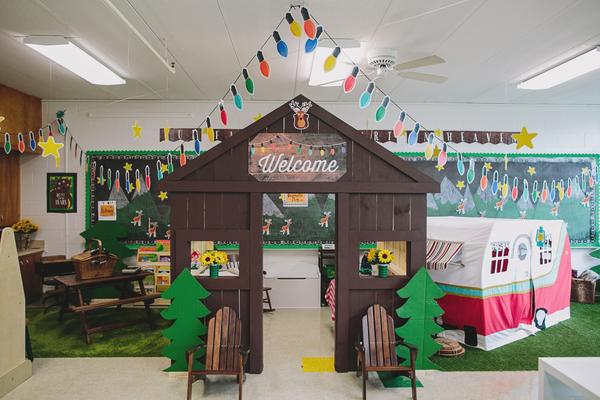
(61, 192)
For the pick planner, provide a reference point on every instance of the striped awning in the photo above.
(440, 253)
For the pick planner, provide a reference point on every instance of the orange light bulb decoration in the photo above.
(310, 28)
(263, 65)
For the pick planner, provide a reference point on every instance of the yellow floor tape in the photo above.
(317, 364)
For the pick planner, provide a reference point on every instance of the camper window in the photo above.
(500, 256)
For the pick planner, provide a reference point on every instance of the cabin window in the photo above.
(546, 250)
(228, 267)
(397, 266)
(500, 257)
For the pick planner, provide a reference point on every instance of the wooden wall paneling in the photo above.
(236, 211)
(224, 166)
(381, 171)
(196, 210)
(23, 113)
(368, 212)
(354, 200)
(418, 223)
(213, 212)
(361, 163)
(345, 267)
(206, 173)
(256, 284)
(239, 162)
(277, 126)
(385, 212)
(402, 212)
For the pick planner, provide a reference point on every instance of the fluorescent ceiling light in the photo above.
(318, 76)
(577, 66)
(64, 52)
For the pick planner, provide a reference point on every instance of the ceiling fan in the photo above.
(383, 62)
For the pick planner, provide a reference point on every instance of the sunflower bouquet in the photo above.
(25, 226)
(214, 259)
(382, 258)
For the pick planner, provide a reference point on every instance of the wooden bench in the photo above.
(377, 350)
(224, 354)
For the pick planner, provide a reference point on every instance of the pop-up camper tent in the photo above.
(504, 279)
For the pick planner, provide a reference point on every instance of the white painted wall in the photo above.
(107, 126)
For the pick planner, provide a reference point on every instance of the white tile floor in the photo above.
(289, 336)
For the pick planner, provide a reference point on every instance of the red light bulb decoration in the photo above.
(263, 65)
(350, 81)
(223, 113)
(21, 145)
(310, 28)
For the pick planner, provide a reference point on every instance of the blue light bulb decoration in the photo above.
(380, 113)
(460, 165)
(282, 48)
(553, 191)
(414, 135)
(197, 145)
(495, 182)
(32, 142)
(365, 97)
(237, 99)
(311, 44)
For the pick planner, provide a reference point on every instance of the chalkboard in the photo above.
(542, 186)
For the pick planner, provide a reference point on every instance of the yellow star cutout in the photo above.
(585, 171)
(282, 196)
(137, 130)
(524, 138)
(164, 168)
(460, 184)
(436, 151)
(101, 180)
(439, 167)
(487, 166)
(438, 133)
(257, 117)
(558, 186)
(131, 187)
(127, 167)
(51, 148)
(163, 196)
(531, 170)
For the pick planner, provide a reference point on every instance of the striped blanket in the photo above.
(330, 298)
(440, 253)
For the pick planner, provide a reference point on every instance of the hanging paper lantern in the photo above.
(197, 144)
(127, 182)
(109, 178)
(443, 156)
(223, 113)
(159, 170)
(294, 25)
(331, 60)
(282, 48)
(21, 143)
(311, 44)
(380, 113)
(237, 99)
(147, 177)
(350, 81)
(7, 147)
(505, 186)
(544, 195)
(515, 189)
(248, 81)
(495, 182)
(263, 65)
(471, 171)
(182, 159)
(429, 147)
(552, 194)
(365, 97)
(138, 181)
(117, 181)
(460, 165)
(32, 142)
(483, 182)
(414, 135)
(210, 132)
(309, 24)
(569, 192)
(399, 125)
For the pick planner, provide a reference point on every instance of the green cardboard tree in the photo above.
(186, 311)
(109, 232)
(420, 309)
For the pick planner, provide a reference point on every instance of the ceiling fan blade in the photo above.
(420, 62)
(418, 76)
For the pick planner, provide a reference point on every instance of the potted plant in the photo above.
(214, 260)
(380, 260)
(23, 230)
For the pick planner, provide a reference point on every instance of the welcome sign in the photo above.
(297, 157)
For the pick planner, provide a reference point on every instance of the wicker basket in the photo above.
(583, 291)
(450, 348)
(94, 263)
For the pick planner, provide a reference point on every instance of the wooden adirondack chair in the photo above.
(224, 355)
(377, 350)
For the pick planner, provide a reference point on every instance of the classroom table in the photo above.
(76, 286)
(568, 378)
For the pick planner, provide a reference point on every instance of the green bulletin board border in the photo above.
(164, 153)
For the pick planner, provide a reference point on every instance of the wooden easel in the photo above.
(14, 367)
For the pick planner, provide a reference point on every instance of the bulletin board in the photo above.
(540, 186)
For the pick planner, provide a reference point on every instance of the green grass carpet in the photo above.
(576, 337)
(50, 338)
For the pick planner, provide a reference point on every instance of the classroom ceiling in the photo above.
(488, 45)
